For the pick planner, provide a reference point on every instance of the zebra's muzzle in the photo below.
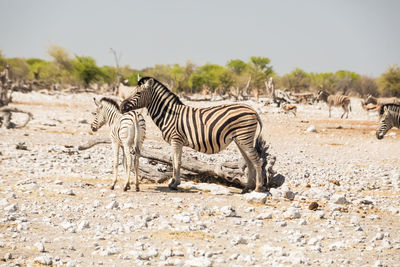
(379, 135)
(94, 129)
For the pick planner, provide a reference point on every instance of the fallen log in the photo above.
(6, 115)
(229, 173)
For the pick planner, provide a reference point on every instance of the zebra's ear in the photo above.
(138, 77)
(149, 83)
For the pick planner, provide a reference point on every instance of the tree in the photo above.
(19, 68)
(237, 66)
(346, 81)
(389, 82)
(86, 70)
(213, 76)
(260, 70)
(297, 80)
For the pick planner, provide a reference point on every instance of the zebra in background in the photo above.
(336, 101)
(389, 117)
(208, 130)
(127, 130)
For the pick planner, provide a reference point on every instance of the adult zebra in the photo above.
(389, 117)
(336, 101)
(127, 130)
(208, 130)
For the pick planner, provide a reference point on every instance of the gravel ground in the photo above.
(57, 209)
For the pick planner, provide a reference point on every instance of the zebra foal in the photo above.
(208, 130)
(389, 117)
(336, 101)
(126, 130)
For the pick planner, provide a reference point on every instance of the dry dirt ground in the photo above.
(56, 207)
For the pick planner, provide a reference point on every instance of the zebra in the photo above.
(336, 101)
(389, 117)
(208, 130)
(126, 130)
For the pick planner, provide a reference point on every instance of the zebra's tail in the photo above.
(350, 107)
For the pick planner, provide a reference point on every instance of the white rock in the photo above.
(256, 197)
(113, 205)
(291, 213)
(264, 216)
(68, 192)
(40, 246)
(83, 225)
(45, 260)
(238, 240)
(311, 129)
(11, 208)
(228, 211)
(198, 262)
(339, 199)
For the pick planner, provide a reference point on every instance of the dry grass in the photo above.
(186, 235)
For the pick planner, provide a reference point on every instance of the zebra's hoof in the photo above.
(127, 187)
(137, 189)
(112, 187)
(261, 189)
(245, 190)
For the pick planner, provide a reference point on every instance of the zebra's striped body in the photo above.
(336, 101)
(207, 130)
(389, 117)
(126, 130)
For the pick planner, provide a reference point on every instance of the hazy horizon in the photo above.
(316, 36)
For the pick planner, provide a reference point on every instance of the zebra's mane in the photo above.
(393, 107)
(110, 101)
(160, 86)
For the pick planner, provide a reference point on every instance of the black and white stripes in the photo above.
(126, 130)
(389, 117)
(208, 130)
(336, 101)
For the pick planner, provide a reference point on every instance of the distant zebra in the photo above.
(127, 130)
(208, 130)
(336, 101)
(389, 117)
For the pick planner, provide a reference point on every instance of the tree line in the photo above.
(235, 76)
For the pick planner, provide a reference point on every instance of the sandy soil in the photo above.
(56, 206)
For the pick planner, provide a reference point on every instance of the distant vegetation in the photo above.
(191, 78)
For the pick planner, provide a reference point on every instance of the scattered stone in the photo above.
(113, 205)
(311, 129)
(44, 259)
(291, 213)
(339, 199)
(313, 206)
(228, 211)
(198, 262)
(256, 197)
(40, 246)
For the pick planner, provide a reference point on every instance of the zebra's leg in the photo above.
(344, 111)
(136, 169)
(115, 147)
(251, 171)
(127, 159)
(329, 111)
(256, 162)
(177, 157)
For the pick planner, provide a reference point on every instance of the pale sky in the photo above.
(314, 35)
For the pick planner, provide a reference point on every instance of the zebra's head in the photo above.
(99, 116)
(385, 124)
(322, 95)
(141, 98)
